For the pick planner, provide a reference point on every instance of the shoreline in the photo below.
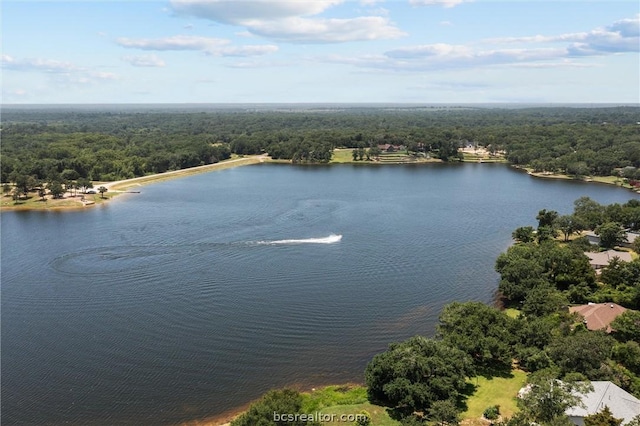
(116, 188)
(605, 180)
(225, 418)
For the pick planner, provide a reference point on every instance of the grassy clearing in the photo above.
(344, 400)
(342, 155)
(500, 391)
(469, 157)
(345, 156)
(333, 395)
(609, 180)
(379, 416)
(34, 202)
(512, 312)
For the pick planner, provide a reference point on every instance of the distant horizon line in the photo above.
(320, 104)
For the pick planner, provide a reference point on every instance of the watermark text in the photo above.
(317, 417)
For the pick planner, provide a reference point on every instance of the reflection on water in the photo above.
(199, 294)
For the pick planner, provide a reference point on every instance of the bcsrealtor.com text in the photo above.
(317, 417)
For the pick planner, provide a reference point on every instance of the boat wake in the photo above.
(326, 240)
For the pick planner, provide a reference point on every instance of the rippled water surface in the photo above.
(197, 295)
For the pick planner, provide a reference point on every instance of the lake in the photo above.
(190, 299)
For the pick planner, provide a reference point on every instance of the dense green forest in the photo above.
(113, 144)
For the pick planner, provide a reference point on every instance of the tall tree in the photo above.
(102, 190)
(582, 352)
(483, 332)
(627, 326)
(611, 234)
(602, 418)
(268, 411)
(56, 189)
(590, 211)
(546, 218)
(547, 398)
(569, 225)
(411, 376)
(524, 234)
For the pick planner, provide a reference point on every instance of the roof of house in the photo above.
(593, 237)
(604, 257)
(598, 316)
(631, 237)
(622, 404)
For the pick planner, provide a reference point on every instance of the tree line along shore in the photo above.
(58, 150)
(532, 362)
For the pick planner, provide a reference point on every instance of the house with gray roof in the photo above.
(629, 235)
(622, 404)
(601, 259)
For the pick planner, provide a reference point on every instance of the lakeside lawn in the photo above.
(491, 391)
(609, 180)
(346, 400)
(342, 155)
(485, 391)
(345, 156)
(34, 202)
(471, 157)
(379, 416)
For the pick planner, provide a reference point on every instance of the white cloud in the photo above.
(565, 63)
(62, 73)
(540, 51)
(621, 36)
(442, 56)
(246, 34)
(257, 64)
(303, 30)
(249, 50)
(58, 70)
(152, 61)
(627, 27)
(238, 12)
(290, 21)
(37, 64)
(211, 46)
(445, 56)
(443, 3)
(101, 75)
(180, 42)
(430, 50)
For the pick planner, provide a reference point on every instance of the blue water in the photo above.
(174, 304)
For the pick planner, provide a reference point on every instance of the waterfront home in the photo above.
(598, 316)
(630, 236)
(601, 259)
(622, 404)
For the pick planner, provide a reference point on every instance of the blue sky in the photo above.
(228, 51)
